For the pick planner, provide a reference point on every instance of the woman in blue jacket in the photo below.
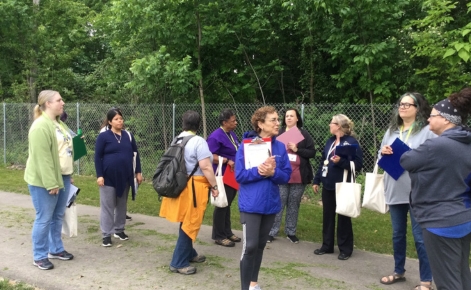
(259, 196)
(330, 172)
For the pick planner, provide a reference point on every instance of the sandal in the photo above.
(393, 278)
(225, 243)
(424, 286)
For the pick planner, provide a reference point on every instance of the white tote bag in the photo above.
(69, 224)
(221, 200)
(348, 195)
(373, 197)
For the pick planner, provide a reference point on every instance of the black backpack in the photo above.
(170, 178)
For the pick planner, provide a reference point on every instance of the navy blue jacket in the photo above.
(335, 171)
(114, 161)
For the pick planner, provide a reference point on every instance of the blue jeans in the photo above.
(184, 251)
(399, 225)
(47, 225)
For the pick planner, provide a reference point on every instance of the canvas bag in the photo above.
(221, 200)
(69, 223)
(348, 195)
(373, 197)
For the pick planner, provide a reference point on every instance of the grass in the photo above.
(372, 230)
(6, 284)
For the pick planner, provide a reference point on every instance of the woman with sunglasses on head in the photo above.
(329, 173)
(440, 170)
(409, 124)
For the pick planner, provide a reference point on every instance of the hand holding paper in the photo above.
(293, 135)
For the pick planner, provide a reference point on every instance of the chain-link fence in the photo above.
(154, 127)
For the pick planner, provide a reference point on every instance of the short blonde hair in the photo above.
(44, 96)
(345, 124)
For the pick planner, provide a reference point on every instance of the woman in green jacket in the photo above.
(48, 174)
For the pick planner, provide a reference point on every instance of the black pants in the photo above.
(344, 226)
(256, 228)
(222, 217)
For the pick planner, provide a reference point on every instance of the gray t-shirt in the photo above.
(398, 191)
(195, 150)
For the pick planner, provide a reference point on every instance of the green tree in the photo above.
(442, 47)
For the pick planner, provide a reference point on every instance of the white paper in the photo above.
(256, 154)
(72, 194)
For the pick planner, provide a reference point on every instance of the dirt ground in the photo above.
(142, 262)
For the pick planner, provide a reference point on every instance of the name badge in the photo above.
(325, 169)
(292, 157)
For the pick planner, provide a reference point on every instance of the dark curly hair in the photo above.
(260, 115)
(462, 102)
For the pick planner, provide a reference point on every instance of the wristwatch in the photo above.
(214, 187)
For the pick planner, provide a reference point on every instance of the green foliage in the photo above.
(130, 51)
(442, 46)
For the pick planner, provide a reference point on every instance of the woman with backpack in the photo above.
(189, 206)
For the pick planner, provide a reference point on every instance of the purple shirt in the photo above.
(221, 143)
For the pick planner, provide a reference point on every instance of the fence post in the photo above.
(302, 111)
(78, 126)
(4, 135)
(173, 121)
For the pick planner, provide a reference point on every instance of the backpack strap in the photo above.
(193, 183)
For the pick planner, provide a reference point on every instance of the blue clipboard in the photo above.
(348, 152)
(391, 163)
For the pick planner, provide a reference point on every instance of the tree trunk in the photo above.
(203, 111)
(33, 70)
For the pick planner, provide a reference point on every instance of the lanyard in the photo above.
(229, 136)
(332, 148)
(408, 133)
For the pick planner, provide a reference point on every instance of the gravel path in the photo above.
(142, 262)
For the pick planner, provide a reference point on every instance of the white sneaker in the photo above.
(256, 287)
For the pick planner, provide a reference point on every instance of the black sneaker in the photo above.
(343, 257)
(43, 264)
(293, 239)
(128, 218)
(122, 236)
(270, 239)
(64, 255)
(107, 242)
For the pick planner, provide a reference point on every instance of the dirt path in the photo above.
(142, 262)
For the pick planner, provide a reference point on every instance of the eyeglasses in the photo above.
(434, 115)
(274, 120)
(405, 105)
